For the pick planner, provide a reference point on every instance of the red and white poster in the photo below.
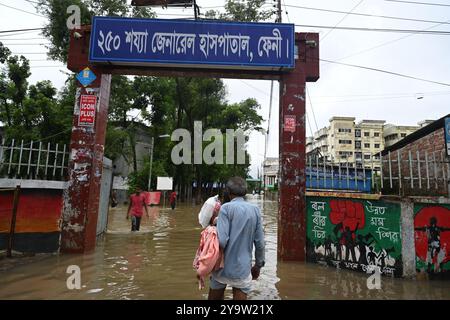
(152, 197)
(289, 123)
(87, 110)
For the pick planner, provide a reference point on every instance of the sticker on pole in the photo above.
(86, 77)
(447, 134)
(289, 123)
(87, 110)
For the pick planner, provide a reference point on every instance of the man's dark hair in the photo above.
(237, 186)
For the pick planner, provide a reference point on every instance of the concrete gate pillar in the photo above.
(292, 159)
(81, 198)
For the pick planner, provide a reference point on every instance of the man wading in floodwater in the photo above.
(137, 204)
(239, 227)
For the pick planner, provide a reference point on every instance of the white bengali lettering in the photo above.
(138, 40)
(268, 44)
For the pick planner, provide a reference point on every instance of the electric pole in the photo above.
(279, 11)
(278, 20)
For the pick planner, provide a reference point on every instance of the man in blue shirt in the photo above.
(239, 227)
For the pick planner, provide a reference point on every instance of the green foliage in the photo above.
(56, 29)
(244, 10)
(30, 113)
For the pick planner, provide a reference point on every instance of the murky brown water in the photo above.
(156, 263)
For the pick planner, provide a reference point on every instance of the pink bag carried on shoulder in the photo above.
(209, 256)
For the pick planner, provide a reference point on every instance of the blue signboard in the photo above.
(447, 134)
(127, 41)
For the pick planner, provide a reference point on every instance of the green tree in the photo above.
(244, 10)
(56, 31)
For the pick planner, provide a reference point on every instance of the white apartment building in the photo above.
(361, 143)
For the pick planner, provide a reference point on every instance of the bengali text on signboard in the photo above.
(126, 41)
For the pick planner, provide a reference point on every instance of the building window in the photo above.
(367, 157)
(403, 135)
(357, 144)
(377, 145)
(346, 130)
(358, 155)
(357, 133)
(366, 134)
(345, 141)
(366, 145)
(376, 134)
(345, 154)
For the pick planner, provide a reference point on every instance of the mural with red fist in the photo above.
(347, 213)
(432, 238)
(354, 234)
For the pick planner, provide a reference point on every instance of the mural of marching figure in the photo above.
(354, 234)
(432, 238)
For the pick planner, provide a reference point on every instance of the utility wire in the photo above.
(366, 14)
(343, 18)
(415, 31)
(25, 44)
(386, 43)
(286, 12)
(22, 53)
(379, 98)
(20, 39)
(312, 109)
(387, 72)
(18, 30)
(420, 3)
(21, 10)
(309, 124)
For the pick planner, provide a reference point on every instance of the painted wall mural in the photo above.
(354, 234)
(432, 238)
(37, 225)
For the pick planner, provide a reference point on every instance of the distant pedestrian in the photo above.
(137, 204)
(114, 201)
(239, 228)
(173, 200)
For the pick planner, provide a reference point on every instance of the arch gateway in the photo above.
(178, 48)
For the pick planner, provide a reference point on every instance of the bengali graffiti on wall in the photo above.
(354, 234)
(432, 238)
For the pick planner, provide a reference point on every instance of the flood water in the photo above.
(156, 263)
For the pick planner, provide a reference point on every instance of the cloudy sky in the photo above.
(341, 90)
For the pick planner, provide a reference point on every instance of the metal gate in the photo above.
(105, 190)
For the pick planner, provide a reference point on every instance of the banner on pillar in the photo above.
(289, 123)
(87, 110)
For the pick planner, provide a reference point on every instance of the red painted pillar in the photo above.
(81, 199)
(292, 181)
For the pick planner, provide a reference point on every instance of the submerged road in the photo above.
(156, 263)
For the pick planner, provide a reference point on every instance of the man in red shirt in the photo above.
(173, 199)
(137, 203)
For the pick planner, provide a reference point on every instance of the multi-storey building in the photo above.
(341, 139)
(393, 133)
(369, 142)
(345, 141)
